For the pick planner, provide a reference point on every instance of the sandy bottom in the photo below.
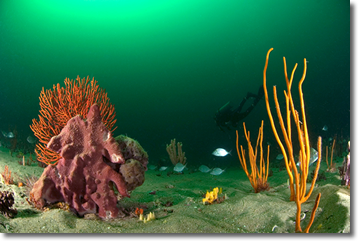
(243, 212)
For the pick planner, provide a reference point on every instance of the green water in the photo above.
(169, 65)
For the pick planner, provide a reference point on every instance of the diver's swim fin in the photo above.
(225, 107)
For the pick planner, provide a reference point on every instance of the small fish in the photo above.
(325, 128)
(279, 157)
(179, 167)
(163, 169)
(7, 135)
(217, 171)
(31, 139)
(204, 169)
(152, 167)
(220, 152)
(313, 158)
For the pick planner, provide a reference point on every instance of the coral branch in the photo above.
(297, 180)
(258, 177)
(318, 198)
(59, 105)
(6, 175)
(174, 157)
(332, 166)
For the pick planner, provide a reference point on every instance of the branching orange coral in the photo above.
(6, 175)
(297, 180)
(258, 177)
(59, 105)
(176, 157)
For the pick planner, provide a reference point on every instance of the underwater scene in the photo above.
(182, 116)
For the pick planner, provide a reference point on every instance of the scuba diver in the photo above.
(226, 117)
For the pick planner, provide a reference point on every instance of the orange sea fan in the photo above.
(59, 105)
(6, 175)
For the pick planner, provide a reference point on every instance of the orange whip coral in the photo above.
(297, 179)
(59, 105)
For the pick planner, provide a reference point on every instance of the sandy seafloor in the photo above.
(243, 212)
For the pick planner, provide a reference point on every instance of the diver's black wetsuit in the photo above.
(225, 117)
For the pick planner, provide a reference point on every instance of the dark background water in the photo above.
(169, 65)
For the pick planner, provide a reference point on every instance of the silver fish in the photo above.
(204, 169)
(217, 171)
(152, 167)
(279, 157)
(7, 135)
(220, 152)
(31, 139)
(163, 169)
(313, 158)
(325, 128)
(179, 167)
